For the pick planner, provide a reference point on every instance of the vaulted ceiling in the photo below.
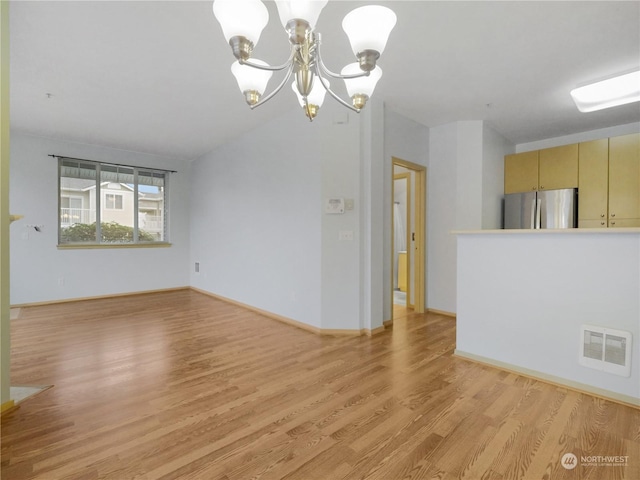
(153, 76)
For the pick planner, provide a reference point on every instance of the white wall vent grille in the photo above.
(605, 349)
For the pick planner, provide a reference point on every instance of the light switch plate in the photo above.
(348, 204)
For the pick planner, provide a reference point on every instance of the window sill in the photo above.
(81, 246)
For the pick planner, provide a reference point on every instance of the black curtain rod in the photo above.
(116, 164)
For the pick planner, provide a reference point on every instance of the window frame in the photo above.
(136, 242)
(73, 197)
(115, 202)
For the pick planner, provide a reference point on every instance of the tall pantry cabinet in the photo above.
(609, 182)
(624, 181)
(593, 181)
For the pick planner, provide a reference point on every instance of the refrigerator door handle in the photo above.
(538, 212)
(533, 213)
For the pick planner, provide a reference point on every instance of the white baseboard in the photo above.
(295, 323)
(81, 299)
(544, 377)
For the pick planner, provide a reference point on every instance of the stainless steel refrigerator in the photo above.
(543, 209)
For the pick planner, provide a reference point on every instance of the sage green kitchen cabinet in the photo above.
(558, 167)
(547, 169)
(593, 183)
(521, 172)
(624, 181)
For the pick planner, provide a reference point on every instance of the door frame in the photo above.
(417, 259)
(5, 218)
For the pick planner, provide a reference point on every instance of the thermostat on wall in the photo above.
(334, 205)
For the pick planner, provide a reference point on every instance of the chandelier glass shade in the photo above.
(314, 99)
(251, 81)
(309, 10)
(245, 18)
(360, 89)
(368, 29)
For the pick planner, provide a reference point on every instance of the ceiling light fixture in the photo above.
(608, 93)
(368, 29)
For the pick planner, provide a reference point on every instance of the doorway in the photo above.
(408, 238)
(402, 228)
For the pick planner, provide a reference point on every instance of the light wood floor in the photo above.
(182, 386)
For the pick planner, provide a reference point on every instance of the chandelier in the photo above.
(367, 27)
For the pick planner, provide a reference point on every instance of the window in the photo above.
(113, 202)
(106, 204)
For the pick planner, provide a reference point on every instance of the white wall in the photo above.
(469, 176)
(409, 141)
(441, 217)
(258, 226)
(341, 261)
(373, 226)
(454, 199)
(495, 147)
(256, 219)
(463, 194)
(37, 264)
(526, 309)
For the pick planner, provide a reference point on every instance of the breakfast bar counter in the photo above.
(523, 295)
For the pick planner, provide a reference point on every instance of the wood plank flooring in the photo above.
(179, 385)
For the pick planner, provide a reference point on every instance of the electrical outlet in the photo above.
(345, 235)
(197, 269)
(60, 281)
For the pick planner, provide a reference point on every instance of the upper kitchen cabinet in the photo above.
(558, 167)
(548, 169)
(624, 181)
(593, 181)
(521, 172)
(606, 173)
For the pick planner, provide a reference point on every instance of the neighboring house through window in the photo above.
(102, 203)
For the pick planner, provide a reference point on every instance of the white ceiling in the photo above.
(153, 76)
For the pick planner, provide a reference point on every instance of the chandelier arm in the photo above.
(329, 73)
(336, 97)
(277, 68)
(277, 89)
(323, 67)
